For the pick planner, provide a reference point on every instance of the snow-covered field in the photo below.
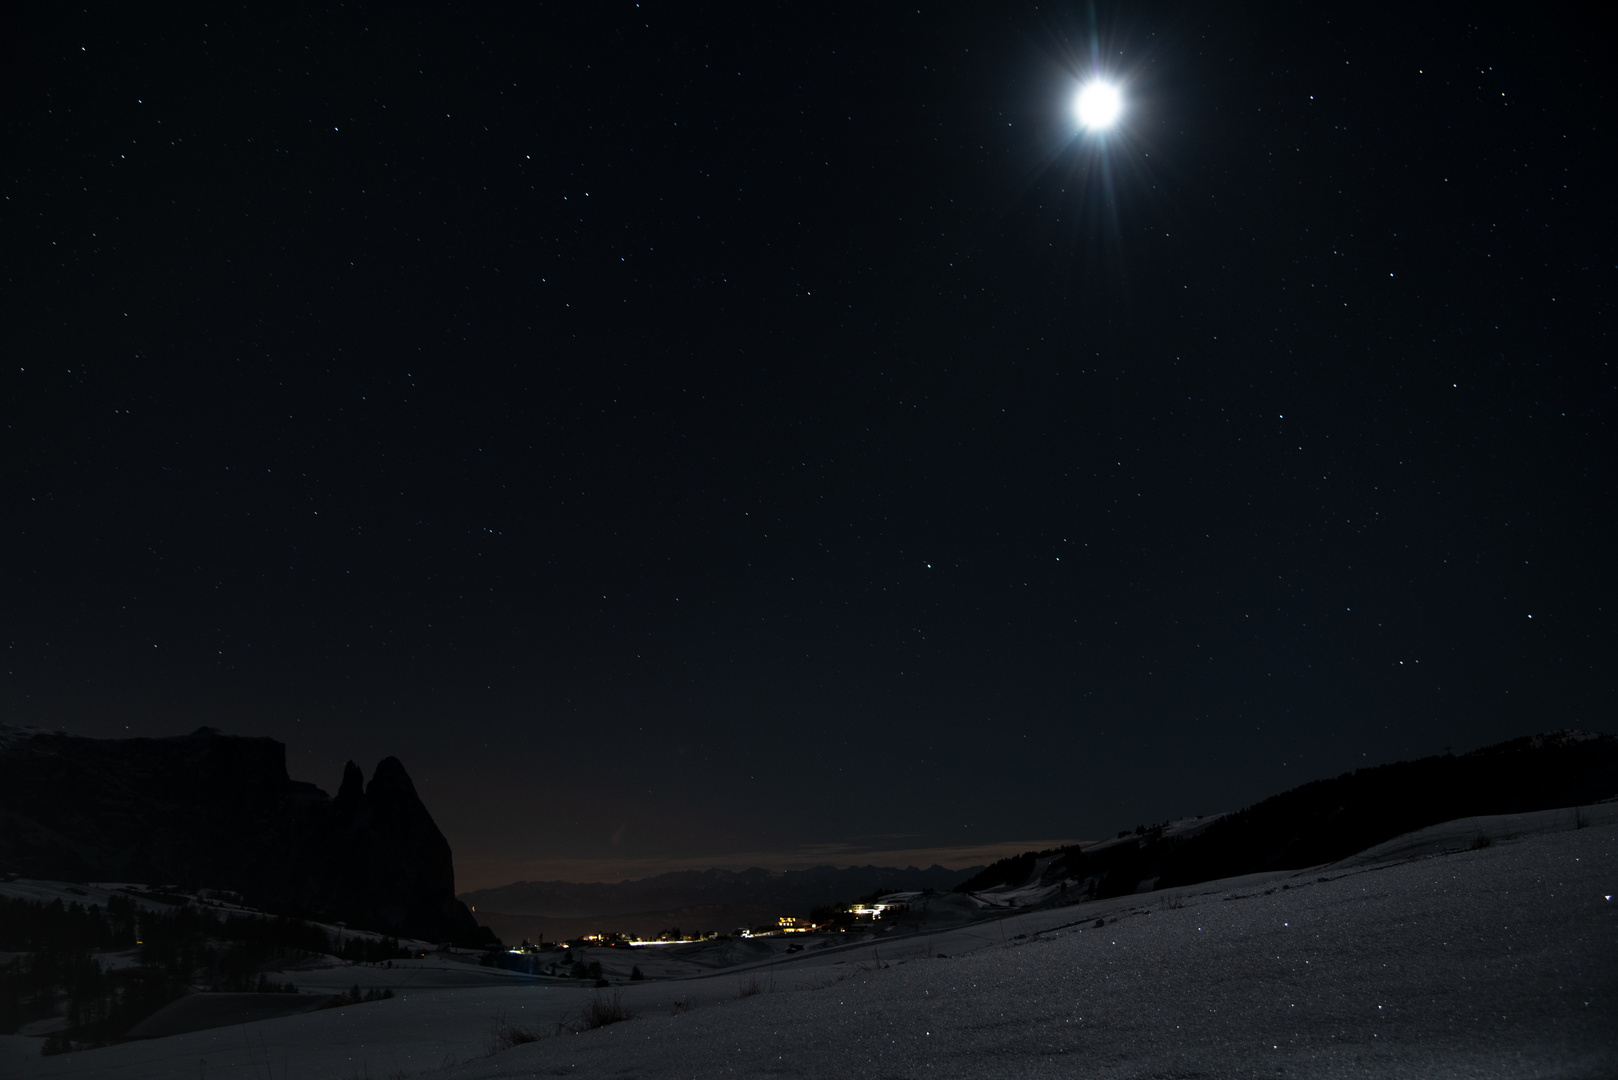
(1501, 961)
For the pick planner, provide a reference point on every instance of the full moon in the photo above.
(1098, 105)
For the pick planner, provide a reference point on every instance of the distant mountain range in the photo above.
(689, 899)
(219, 811)
(793, 891)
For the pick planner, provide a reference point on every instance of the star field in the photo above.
(679, 433)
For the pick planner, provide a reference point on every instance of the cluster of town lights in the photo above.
(784, 925)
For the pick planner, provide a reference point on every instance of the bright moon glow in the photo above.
(1098, 105)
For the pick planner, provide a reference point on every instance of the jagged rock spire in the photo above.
(353, 788)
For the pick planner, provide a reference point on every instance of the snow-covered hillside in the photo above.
(1496, 961)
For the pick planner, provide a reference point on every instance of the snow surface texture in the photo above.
(1501, 962)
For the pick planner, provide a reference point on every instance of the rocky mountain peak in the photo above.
(210, 810)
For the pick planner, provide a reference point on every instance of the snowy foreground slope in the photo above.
(1494, 962)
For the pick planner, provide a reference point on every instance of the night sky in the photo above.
(684, 432)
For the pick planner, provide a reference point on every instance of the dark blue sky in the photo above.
(676, 433)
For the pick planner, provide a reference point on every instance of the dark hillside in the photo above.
(1333, 819)
(1328, 820)
(1013, 870)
